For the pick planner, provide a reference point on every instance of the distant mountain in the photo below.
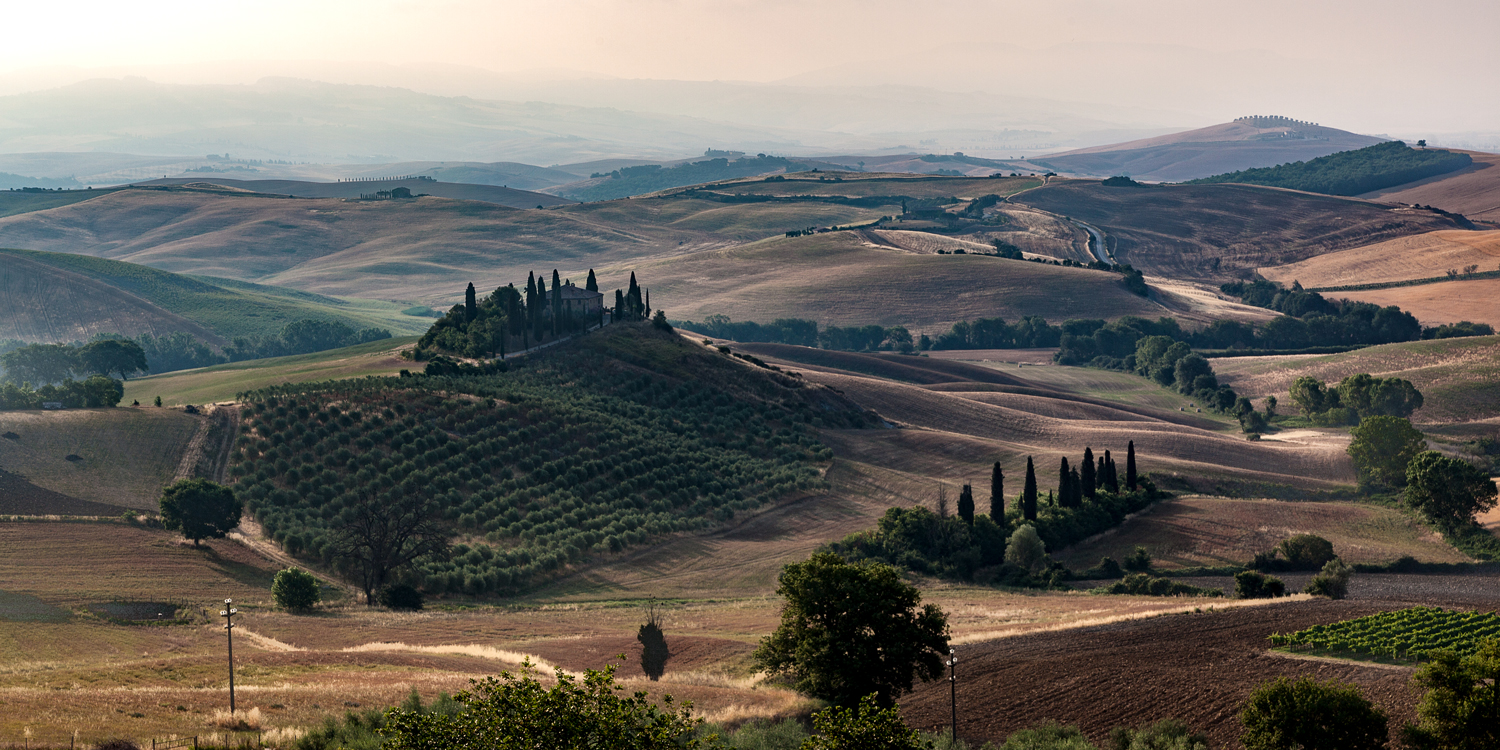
(1245, 143)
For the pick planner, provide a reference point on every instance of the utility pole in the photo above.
(228, 615)
(953, 690)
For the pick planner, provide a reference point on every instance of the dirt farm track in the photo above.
(1199, 668)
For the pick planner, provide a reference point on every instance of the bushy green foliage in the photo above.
(97, 391)
(1332, 581)
(301, 337)
(1287, 715)
(1381, 449)
(1459, 710)
(1048, 735)
(1167, 734)
(1025, 550)
(401, 596)
(200, 509)
(917, 539)
(519, 711)
(295, 589)
(1352, 172)
(594, 446)
(1306, 551)
(361, 731)
(1144, 584)
(861, 727)
(1061, 527)
(1446, 490)
(850, 630)
(787, 734)
(1354, 398)
(1252, 584)
(780, 331)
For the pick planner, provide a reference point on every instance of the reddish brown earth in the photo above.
(19, 497)
(1199, 668)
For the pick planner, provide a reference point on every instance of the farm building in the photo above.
(581, 302)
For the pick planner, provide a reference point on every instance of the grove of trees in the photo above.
(1355, 398)
(1352, 172)
(510, 319)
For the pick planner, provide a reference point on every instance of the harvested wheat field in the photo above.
(1440, 303)
(1210, 531)
(121, 456)
(1473, 191)
(1459, 378)
(1422, 256)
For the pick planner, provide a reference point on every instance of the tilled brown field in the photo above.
(1199, 668)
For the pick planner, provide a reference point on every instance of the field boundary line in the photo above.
(1205, 606)
(267, 642)
(1332, 660)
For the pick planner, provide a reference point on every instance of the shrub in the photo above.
(1048, 735)
(1251, 584)
(1108, 568)
(118, 743)
(1306, 551)
(1287, 715)
(1145, 585)
(295, 589)
(401, 596)
(1167, 734)
(1138, 561)
(867, 726)
(1332, 582)
(1025, 550)
(787, 734)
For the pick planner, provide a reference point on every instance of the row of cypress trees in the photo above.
(484, 326)
(1075, 483)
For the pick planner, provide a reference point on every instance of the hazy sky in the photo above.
(1370, 62)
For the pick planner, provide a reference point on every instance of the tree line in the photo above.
(1352, 172)
(510, 319)
(1311, 320)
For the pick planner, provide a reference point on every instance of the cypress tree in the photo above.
(557, 304)
(648, 303)
(1130, 467)
(592, 284)
(471, 306)
(966, 504)
(619, 305)
(1110, 481)
(1028, 493)
(539, 318)
(1075, 483)
(1064, 491)
(1088, 475)
(633, 298)
(997, 494)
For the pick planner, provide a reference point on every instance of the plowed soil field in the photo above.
(1199, 668)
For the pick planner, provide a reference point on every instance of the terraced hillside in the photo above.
(1221, 232)
(60, 297)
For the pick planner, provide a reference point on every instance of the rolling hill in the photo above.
(1422, 256)
(1241, 144)
(59, 297)
(496, 194)
(1473, 191)
(1220, 232)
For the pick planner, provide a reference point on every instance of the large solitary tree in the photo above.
(1448, 491)
(113, 356)
(1381, 449)
(200, 509)
(851, 630)
(387, 532)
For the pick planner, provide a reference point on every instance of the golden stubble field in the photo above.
(1421, 256)
(66, 668)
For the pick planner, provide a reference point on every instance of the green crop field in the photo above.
(125, 455)
(219, 383)
(1412, 634)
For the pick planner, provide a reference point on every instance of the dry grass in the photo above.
(1444, 302)
(1473, 192)
(1195, 531)
(1420, 256)
(844, 278)
(128, 454)
(237, 721)
(223, 382)
(1459, 378)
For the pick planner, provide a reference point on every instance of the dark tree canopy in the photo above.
(1130, 478)
(386, 533)
(1287, 715)
(1381, 449)
(1028, 492)
(1460, 709)
(111, 356)
(1448, 491)
(200, 509)
(850, 630)
(997, 494)
(966, 504)
(654, 651)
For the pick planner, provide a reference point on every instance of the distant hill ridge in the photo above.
(1244, 143)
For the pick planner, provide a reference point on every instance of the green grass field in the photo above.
(127, 454)
(222, 382)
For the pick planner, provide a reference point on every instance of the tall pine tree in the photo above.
(1130, 479)
(592, 284)
(633, 298)
(1088, 474)
(997, 495)
(557, 304)
(1028, 492)
(1110, 481)
(619, 313)
(1075, 483)
(471, 306)
(966, 504)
